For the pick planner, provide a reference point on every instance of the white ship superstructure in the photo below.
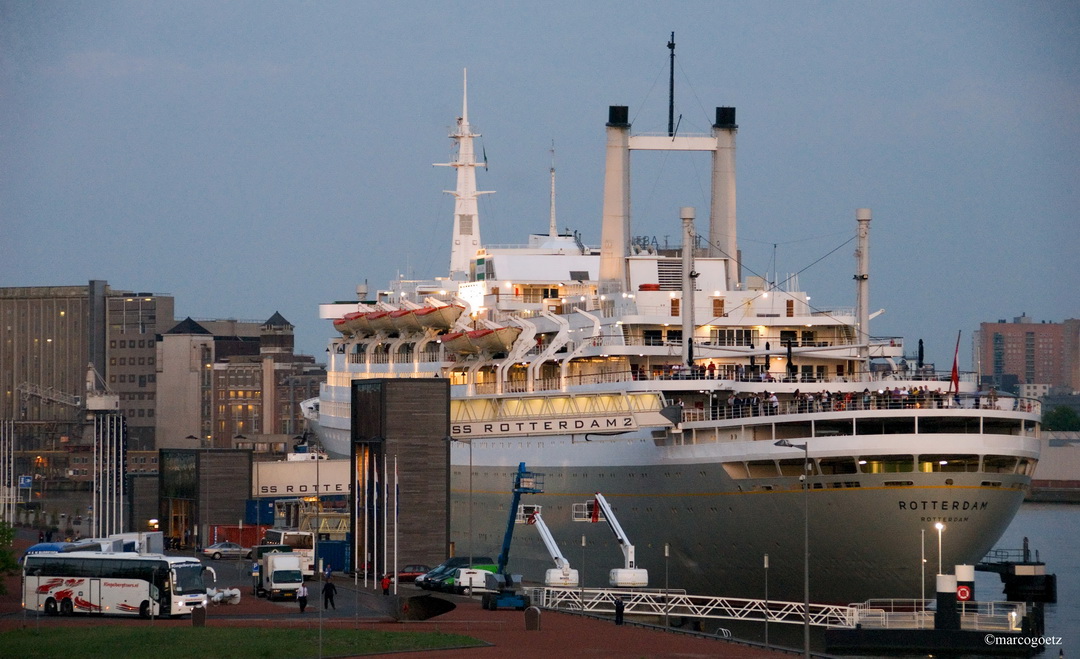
(693, 398)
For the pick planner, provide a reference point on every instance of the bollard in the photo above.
(198, 617)
(947, 615)
(532, 619)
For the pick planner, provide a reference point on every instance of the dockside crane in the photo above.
(628, 576)
(561, 574)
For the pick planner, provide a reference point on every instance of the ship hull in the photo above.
(868, 533)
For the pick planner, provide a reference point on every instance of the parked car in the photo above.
(226, 550)
(409, 573)
(447, 570)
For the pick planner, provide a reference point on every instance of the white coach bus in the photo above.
(113, 583)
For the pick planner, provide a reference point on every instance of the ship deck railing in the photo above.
(919, 614)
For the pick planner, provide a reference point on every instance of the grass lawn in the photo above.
(233, 642)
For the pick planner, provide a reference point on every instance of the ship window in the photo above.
(718, 308)
(1002, 464)
(842, 465)
(884, 426)
(792, 467)
(763, 469)
(948, 463)
(886, 464)
(833, 428)
(962, 424)
(653, 337)
(674, 306)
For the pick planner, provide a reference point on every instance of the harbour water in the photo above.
(1051, 529)
(1054, 531)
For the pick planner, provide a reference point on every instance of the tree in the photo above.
(8, 564)
(1061, 417)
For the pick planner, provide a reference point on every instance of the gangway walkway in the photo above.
(652, 602)
(880, 614)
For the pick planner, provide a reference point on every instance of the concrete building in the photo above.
(1025, 352)
(48, 337)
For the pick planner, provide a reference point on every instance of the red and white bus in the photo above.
(114, 583)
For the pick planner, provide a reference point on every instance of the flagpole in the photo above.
(386, 513)
(375, 522)
(397, 511)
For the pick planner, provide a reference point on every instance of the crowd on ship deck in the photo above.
(752, 404)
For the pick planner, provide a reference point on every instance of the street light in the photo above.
(806, 539)
(940, 527)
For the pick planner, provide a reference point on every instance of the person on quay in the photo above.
(301, 597)
(329, 590)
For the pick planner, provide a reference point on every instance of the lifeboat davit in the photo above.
(380, 321)
(494, 340)
(439, 317)
(458, 342)
(405, 320)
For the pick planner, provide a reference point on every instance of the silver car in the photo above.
(226, 550)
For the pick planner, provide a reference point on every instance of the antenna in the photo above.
(671, 90)
(553, 229)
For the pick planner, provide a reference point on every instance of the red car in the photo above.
(409, 573)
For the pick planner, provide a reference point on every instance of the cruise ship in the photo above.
(721, 415)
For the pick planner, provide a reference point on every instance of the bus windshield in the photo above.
(189, 579)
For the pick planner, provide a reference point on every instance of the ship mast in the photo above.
(466, 236)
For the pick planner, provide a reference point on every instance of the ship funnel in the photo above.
(615, 227)
(722, 220)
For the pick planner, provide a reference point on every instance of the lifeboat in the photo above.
(439, 317)
(380, 321)
(494, 340)
(405, 320)
(356, 322)
(340, 325)
(457, 342)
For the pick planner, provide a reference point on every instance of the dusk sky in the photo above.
(253, 157)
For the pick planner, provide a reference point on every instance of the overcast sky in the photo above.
(252, 157)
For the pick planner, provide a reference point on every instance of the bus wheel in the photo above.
(50, 607)
(66, 608)
(144, 610)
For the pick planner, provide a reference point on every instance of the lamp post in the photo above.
(922, 544)
(806, 539)
(940, 527)
(667, 595)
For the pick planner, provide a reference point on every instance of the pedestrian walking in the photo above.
(326, 572)
(301, 597)
(619, 607)
(386, 584)
(328, 592)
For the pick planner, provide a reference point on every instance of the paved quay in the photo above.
(560, 634)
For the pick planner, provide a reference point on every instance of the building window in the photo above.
(718, 308)
(675, 306)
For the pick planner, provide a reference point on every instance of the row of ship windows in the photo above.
(875, 464)
(882, 464)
